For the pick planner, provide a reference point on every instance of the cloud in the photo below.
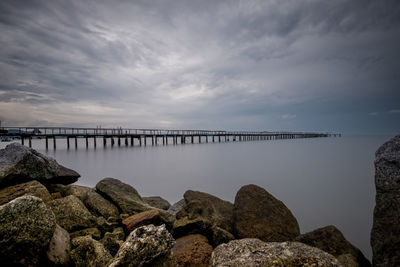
(288, 116)
(229, 64)
(373, 113)
(394, 111)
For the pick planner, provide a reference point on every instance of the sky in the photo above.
(274, 65)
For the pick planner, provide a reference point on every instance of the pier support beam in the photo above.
(94, 142)
(76, 142)
(68, 142)
(54, 142)
(47, 143)
(30, 141)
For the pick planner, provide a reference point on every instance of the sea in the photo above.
(323, 181)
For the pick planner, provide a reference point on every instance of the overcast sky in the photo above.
(300, 65)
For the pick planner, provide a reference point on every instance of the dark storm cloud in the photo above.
(230, 64)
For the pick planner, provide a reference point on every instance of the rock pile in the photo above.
(47, 221)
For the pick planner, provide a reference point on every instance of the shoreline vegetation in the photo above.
(46, 220)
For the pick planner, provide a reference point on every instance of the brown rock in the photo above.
(257, 214)
(331, 240)
(142, 218)
(32, 188)
(192, 250)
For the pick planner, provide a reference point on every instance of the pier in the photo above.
(143, 137)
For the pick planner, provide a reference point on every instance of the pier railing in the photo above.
(141, 135)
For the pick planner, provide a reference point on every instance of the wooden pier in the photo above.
(143, 137)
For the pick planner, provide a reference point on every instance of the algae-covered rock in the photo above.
(32, 188)
(99, 205)
(89, 253)
(71, 214)
(192, 250)
(21, 164)
(157, 202)
(146, 246)
(26, 228)
(254, 252)
(93, 232)
(113, 241)
(257, 214)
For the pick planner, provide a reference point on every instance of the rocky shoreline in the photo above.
(46, 220)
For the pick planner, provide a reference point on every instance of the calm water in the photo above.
(322, 181)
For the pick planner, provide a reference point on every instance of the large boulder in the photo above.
(146, 246)
(99, 205)
(33, 188)
(123, 195)
(59, 248)
(331, 240)
(20, 164)
(257, 214)
(202, 205)
(192, 250)
(254, 252)
(385, 235)
(71, 214)
(157, 202)
(26, 228)
(89, 253)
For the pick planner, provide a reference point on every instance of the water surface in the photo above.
(322, 181)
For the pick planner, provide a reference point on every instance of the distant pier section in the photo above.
(142, 137)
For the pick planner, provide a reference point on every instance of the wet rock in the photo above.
(146, 246)
(93, 232)
(140, 219)
(254, 252)
(32, 188)
(175, 208)
(192, 250)
(89, 253)
(331, 240)
(157, 202)
(99, 205)
(257, 214)
(385, 235)
(26, 228)
(59, 248)
(21, 164)
(123, 195)
(215, 234)
(113, 241)
(71, 214)
(202, 205)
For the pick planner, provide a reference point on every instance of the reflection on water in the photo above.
(323, 181)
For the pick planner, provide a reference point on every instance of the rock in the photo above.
(76, 190)
(385, 235)
(89, 253)
(113, 241)
(331, 240)
(104, 225)
(99, 205)
(59, 248)
(174, 209)
(93, 232)
(123, 195)
(26, 228)
(56, 195)
(21, 164)
(146, 246)
(71, 214)
(215, 234)
(157, 202)
(192, 250)
(254, 252)
(32, 188)
(348, 260)
(217, 211)
(140, 219)
(257, 214)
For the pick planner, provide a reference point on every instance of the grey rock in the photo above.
(21, 164)
(175, 208)
(32, 188)
(59, 248)
(157, 202)
(258, 214)
(331, 240)
(26, 228)
(71, 214)
(254, 252)
(99, 205)
(202, 205)
(89, 253)
(145, 246)
(385, 235)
